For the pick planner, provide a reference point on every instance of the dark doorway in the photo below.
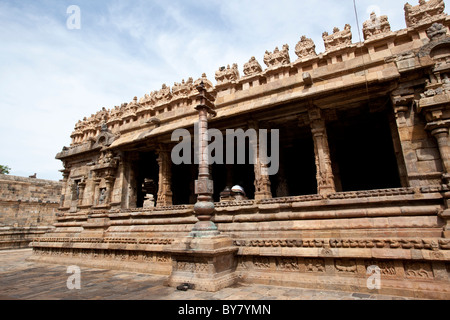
(297, 173)
(362, 149)
(146, 170)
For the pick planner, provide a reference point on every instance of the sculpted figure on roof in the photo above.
(252, 67)
(339, 39)
(227, 75)
(305, 48)
(425, 12)
(163, 95)
(182, 89)
(277, 57)
(376, 26)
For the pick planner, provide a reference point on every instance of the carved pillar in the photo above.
(73, 196)
(165, 178)
(441, 132)
(204, 187)
(405, 124)
(65, 173)
(109, 188)
(96, 192)
(262, 181)
(325, 177)
(81, 187)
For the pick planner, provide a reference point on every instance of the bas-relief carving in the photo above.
(421, 270)
(314, 265)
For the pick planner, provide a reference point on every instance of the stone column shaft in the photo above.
(262, 181)
(165, 177)
(325, 177)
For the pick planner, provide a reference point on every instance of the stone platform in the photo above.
(27, 280)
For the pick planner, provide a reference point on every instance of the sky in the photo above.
(51, 75)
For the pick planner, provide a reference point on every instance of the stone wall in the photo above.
(27, 209)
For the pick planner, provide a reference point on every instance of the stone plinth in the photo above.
(209, 264)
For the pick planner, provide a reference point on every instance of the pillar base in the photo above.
(206, 264)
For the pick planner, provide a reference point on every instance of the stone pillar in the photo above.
(325, 177)
(204, 260)
(204, 187)
(109, 189)
(165, 178)
(441, 133)
(262, 181)
(407, 160)
(96, 192)
(81, 187)
(440, 130)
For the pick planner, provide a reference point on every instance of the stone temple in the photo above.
(362, 185)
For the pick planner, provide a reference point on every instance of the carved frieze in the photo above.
(338, 39)
(425, 12)
(305, 48)
(387, 267)
(287, 264)
(261, 262)
(315, 265)
(345, 265)
(277, 57)
(419, 270)
(376, 27)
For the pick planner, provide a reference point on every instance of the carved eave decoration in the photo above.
(227, 76)
(277, 58)
(376, 27)
(305, 49)
(338, 39)
(424, 13)
(252, 68)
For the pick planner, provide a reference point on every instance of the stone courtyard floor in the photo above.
(24, 280)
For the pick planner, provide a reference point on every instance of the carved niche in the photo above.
(305, 48)
(376, 27)
(425, 12)
(338, 39)
(277, 57)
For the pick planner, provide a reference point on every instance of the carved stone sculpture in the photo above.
(425, 12)
(305, 48)
(339, 39)
(252, 67)
(277, 57)
(227, 75)
(376, 26)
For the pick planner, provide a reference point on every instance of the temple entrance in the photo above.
(145, 169)
(362, 152)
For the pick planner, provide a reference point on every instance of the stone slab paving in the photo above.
(26, 280)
